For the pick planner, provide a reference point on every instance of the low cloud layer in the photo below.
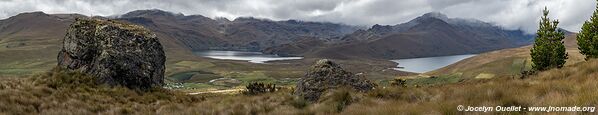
(511, 14)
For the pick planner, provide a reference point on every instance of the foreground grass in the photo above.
(505, 62)
(570, 86)
(57, 93)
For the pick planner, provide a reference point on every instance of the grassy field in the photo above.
(59, 92)
(30, 49)
(32, 56)
(194, 71)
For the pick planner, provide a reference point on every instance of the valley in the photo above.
(289, 57)
(184, 37)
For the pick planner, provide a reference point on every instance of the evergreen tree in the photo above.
(548, 51)
(587, 39)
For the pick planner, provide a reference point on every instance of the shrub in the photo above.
(398, 83)
(336, 100)
(525, 74)
(299, 103)
(259, 88)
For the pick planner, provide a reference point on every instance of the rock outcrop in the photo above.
(116, 53)
(325, 75)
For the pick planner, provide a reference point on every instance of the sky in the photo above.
(510, 14)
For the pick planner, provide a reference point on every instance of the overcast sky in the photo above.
(511, 14)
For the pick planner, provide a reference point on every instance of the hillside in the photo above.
(57, 92)
(506, 62)
(197, 32)
(431, 34)
(29, 41)
(359, 80)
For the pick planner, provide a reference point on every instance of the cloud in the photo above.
(511, 14)
(525, 14)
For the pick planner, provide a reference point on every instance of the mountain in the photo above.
(29, 41)
(38, 36)
(197, 32)
(30, 26)
(432, 34)
(177, 31)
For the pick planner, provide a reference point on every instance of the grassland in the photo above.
(22, 56)
(34, 56)
(503, 63)
(32, 41)
(59, 92)
(201, 74)
(27, 58)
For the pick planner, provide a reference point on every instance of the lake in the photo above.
(253, 57)
(426, 64)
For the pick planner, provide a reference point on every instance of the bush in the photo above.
(398, 83)
(525, 74)
(259, 88)
(336, 100)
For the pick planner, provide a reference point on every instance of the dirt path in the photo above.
(218, 91)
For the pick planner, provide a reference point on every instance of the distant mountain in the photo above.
(432, 34)
(32, 39)
(34, 30)
(26, 25)
(36, 36)
(178, 31)
(197, 32)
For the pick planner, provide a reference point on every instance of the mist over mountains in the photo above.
(432, 34)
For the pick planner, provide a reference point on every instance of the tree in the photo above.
(587, 39)
(548, 50)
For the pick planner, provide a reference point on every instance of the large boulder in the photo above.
(116, 53)
(325, 75)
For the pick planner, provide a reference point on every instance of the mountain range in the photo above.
(432, 34)
(197, 32)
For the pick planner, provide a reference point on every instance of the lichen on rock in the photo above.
(327, 75)
(114, 52)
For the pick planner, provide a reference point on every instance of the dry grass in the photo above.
(57, 93)
(505, 62)
(570, 86)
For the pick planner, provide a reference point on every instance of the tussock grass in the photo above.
(58, 93)
(570, 86)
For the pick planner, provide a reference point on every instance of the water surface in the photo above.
(253, 57)
(426, 64)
